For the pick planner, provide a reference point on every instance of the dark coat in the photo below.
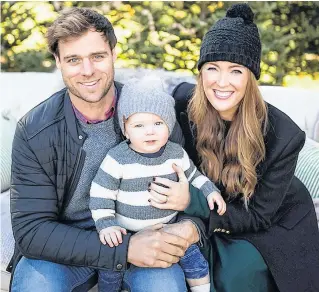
(280, 221)
(47, 159)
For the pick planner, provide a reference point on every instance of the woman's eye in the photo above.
(211, 69)
(237, 72)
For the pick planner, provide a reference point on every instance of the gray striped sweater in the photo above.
(119, 196)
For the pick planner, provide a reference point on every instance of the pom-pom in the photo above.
(241, 10)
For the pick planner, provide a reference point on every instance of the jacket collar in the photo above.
(72, 124)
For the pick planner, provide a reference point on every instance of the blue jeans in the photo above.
(43, 276)
(194, 264)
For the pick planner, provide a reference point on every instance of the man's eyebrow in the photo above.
(100, 53)
(70, 56)
(92, 54)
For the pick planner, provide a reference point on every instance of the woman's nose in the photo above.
(223, 80)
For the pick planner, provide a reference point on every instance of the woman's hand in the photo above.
(174, 196)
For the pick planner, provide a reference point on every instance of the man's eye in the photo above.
(73, 60)
(98, 57)
(211, 69)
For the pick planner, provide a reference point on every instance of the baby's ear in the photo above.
(124, 121)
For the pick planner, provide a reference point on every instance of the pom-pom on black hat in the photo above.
(235, 39)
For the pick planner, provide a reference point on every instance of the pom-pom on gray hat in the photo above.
(146, 95)
(235, 39)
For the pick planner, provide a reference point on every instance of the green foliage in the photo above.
(158, 34)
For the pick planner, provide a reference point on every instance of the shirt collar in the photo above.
(108, 114)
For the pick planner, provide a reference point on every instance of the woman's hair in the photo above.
(74, 22)
(232, 158)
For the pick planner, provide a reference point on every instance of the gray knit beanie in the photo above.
(235, 39)
(146, 95)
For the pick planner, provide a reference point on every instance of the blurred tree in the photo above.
(22, 27)
(290, 38)
(158, 34)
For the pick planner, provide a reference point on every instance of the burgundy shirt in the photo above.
(108, 114)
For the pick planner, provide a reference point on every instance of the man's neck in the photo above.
(96, 110)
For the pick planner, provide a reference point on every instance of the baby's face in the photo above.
(147, 132)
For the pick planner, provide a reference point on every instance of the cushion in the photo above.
(301, 105)
(8, 125)
(307, 169)
(7, 241)
(316, 130)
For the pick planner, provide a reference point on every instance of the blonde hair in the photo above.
(232, 158)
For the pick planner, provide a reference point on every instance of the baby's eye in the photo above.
(158, 123)
(138, 126)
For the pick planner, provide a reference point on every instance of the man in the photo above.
(57, 149)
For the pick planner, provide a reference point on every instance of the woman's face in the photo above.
(225, 86)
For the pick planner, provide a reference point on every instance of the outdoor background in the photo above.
(168, 35)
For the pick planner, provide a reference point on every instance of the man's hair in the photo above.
(74, 22)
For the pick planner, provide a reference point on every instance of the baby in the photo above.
(119, 195)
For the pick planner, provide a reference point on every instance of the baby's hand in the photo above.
(112, 235)
(215, 197)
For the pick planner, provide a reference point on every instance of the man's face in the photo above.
(87, 66)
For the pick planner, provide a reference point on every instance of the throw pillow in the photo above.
(307, 169)
(8, 126)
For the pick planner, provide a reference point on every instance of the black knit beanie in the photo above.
(235, 39)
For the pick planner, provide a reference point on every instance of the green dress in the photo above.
(235, 264)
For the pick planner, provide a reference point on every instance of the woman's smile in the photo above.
(223, 94)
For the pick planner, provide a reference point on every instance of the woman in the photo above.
(268, 238)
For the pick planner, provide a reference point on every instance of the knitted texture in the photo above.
(100, 139)
(234, 38)
(146, 96)
(7, 126)
(119, 195)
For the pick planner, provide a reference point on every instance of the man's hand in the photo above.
(155, 248)
(185, 229)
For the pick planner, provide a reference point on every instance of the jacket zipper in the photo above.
(75, 177)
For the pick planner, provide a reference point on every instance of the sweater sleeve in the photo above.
(103, 193)
(37, 231)
(266, 200)
(197, 179)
